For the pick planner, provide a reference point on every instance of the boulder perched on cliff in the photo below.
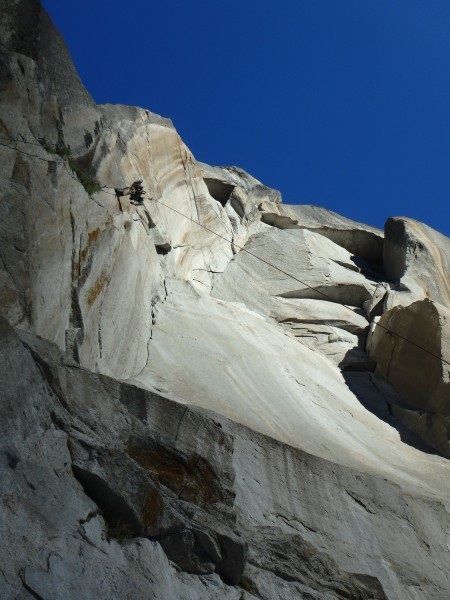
(417, 259)
(411, 346)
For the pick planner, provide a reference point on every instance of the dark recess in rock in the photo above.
(163, 249)
(121, 521)
(219, 190)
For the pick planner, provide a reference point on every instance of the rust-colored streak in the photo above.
(92, 238)
(76, 270)
(152, 509)
(192, 479)
(97, 288)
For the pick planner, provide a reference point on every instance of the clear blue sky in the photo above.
(339, 103)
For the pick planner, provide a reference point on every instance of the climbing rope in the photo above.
(320, 292)
(104, 188)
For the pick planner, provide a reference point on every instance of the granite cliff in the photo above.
(210, 394)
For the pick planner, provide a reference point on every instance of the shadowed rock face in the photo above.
(124, 326)
(411, 348)
(165, 500)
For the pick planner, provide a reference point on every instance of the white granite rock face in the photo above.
(363, 241)
(189, 408)
(318, 294)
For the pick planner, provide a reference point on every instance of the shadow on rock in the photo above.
(377, 395)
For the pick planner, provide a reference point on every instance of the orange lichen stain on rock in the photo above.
(92, 237)
(202, 486)
(76, 270)
(152, 509)
(97, 288)
(161, 465)
(193, 480)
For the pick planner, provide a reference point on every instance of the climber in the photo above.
(137, 193)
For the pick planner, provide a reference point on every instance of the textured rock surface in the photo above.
(417, 259)
(421, 378)
(125, 326)
(362, 240)
(100, 477)
(309, 304)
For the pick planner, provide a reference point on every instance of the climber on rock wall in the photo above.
(135, 191)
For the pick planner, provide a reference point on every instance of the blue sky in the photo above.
(340, 103)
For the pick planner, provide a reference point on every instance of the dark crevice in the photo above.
(219, 190)
(340, 293)
(372, 271)
(121, 521)
(179, 423)
(32, 592)
(162, 249)
(359, 502)
(57, 421)
(12, 460)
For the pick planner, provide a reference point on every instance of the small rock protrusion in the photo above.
(374, 307)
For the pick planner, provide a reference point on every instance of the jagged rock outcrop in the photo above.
(417, 259)
(187, 406)
(363, 241)
(303, 288)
